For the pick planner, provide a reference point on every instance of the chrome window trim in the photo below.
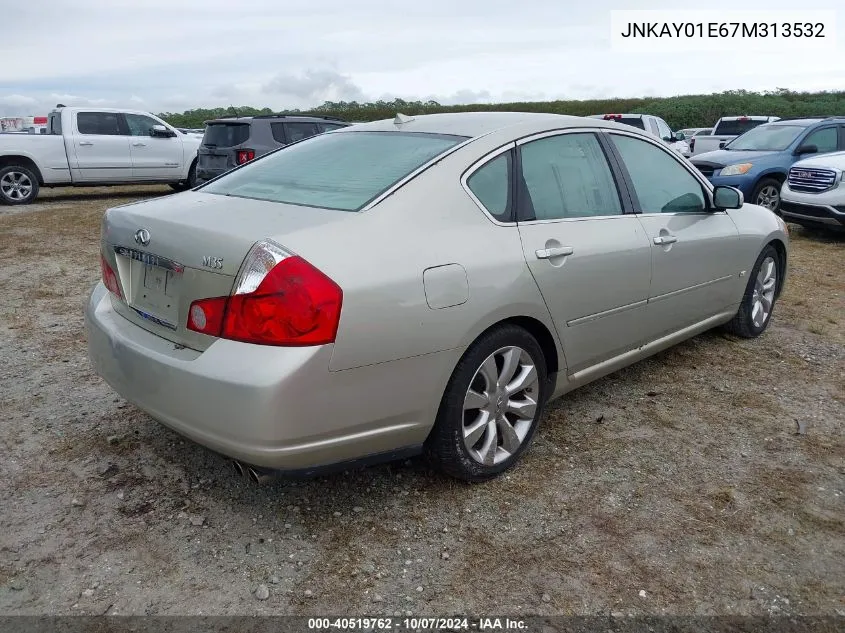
(474, 167)
(533, 136)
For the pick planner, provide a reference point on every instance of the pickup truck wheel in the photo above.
(187, 184)
(767, 194)
(18, 185)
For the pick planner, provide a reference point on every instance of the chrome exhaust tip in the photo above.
(259, 477)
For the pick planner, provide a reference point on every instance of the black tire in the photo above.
(18, 185)
(445, 445)
(743, 322)
(187, 184)
(763, 194)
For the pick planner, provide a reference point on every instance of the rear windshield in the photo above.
(341, 171)
(633, 121)
(225, 134)
(736, 127)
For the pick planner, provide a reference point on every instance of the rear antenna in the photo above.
(402, 118)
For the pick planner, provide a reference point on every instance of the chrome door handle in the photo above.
(665, 239)
(85, 143)
(559, 251)
(139, 144)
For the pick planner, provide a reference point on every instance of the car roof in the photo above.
(475, 124)
(287, 117)
(804, 121)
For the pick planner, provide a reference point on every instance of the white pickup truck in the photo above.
(727, 129)
(86, 147)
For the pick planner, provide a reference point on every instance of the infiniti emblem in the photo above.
(142, 237)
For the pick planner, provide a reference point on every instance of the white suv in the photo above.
(653, 124)
(814, 193)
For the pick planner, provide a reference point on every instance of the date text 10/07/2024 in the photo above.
(414, 624)
(723, 30)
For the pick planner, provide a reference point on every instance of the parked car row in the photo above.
(790, 166)
(726, 129)
(102, 146)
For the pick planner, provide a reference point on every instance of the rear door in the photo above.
(696, 251)
(153, 157)
(101, 146)
(590, 259)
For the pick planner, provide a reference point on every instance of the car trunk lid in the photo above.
(165, 255)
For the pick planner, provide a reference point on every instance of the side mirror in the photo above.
(806, 149)
(668, 139)
(725, 197)
(680, 136)
(161, 131)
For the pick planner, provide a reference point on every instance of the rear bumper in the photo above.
(278, 408)
(204, 173)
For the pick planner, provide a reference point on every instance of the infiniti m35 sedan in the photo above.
(419, 285)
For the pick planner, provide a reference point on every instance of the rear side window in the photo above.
(567, 176)
(737, 127)
(334, 171)
(102, 123)
(298, 131)
(225, 134)
(491, 185)
(278, 130)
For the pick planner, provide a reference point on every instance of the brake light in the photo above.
(607, 117)
(109, 278)
(279, 299)
(245, 155)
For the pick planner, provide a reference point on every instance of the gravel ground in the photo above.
(707, 480)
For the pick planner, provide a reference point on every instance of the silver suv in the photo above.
(230, 142)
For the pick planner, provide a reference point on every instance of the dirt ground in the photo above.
(707, 480)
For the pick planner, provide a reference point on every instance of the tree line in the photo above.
(679, 112)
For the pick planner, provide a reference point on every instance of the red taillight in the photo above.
(294, 304)
(608, 117)
(245, 155)
(109, 278)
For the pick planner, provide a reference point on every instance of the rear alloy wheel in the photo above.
(18, 185)
(491, 406)
(767, 194)
(755, 311)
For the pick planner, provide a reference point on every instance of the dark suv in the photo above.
(230, 142)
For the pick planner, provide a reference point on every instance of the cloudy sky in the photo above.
(172, 55)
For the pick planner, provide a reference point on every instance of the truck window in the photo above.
(736, 127)
(140, 125)
(102, 123)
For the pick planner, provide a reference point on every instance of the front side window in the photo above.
(825, 139)
(663, 130)
(567, 176)
(341, 171)
(491, 185)
(101, 123)
(140, 125)
(661, 183)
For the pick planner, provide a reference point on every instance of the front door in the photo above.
(153, 157)
(590, 259)
(696, 250)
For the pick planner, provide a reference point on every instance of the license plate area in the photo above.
(153, 287)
